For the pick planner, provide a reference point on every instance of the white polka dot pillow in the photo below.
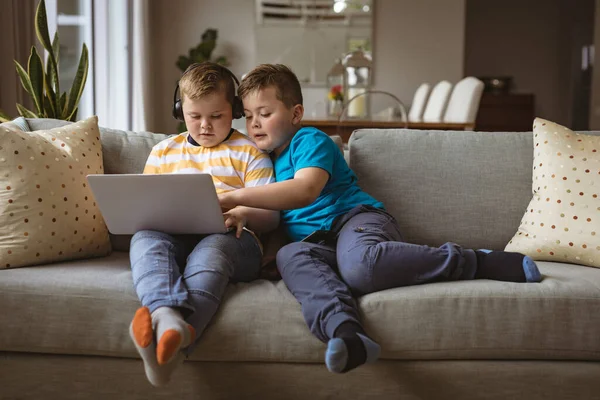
(47, 212)
(562, 221)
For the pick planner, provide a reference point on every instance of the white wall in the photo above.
(417, 41)
(177, 25)
(413, 42)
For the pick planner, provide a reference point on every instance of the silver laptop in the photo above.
(170, 203)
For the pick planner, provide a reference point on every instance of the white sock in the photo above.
(172, 334)
(157, 375)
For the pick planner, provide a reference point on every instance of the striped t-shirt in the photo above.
(233, 164)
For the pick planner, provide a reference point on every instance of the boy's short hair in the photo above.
(285, 82)
(206, 78)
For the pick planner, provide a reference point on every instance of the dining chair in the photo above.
(437, 103)
(464, 101)
(418, 104)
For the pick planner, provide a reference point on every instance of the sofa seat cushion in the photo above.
(84, 307)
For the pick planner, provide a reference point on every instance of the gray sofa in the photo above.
(64, 327)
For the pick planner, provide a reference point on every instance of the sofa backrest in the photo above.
(471, 188)
(123, 152)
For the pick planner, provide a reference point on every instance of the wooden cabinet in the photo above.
(511, 112)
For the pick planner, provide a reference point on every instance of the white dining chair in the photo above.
(464, 101)
(437, 103)
(418, 104)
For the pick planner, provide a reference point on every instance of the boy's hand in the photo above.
(236, 218)
(227, 200)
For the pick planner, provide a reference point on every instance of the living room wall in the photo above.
(413, 42)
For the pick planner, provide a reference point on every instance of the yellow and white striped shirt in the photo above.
(233, 164)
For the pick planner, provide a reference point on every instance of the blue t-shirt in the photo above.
(312, 148)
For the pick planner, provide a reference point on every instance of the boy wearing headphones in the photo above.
(180, 280)
(345, 243)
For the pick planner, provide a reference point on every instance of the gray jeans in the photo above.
(366, 254)
(191, 272)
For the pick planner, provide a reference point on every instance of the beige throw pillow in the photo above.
(562, 221)
(47, 212)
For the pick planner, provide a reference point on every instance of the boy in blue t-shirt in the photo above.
(345, 243)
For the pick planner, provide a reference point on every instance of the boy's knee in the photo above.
(147, 240)
(356, 268)
(223, 242)
(289, 252)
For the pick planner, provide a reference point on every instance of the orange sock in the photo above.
(141, 326)
(171, 342)
(168, 344)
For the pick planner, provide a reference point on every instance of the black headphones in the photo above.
(237, 107)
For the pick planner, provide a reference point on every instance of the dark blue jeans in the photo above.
(366, 254)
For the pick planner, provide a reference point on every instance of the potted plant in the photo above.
(42, 83)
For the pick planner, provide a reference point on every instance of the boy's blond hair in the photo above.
(206, 78)
(285, 82)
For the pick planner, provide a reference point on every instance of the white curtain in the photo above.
(140, 63)
(18, 35)
(122, 59)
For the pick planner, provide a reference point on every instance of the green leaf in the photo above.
(41, 30)
(25, 112)
(52, 77)
(206, 48)
(52, 87)
(183, 63)
(50, 98)
(78, 84)
(73, 117)
(41, 26)
(49, 111)
(209, 34)
(222, 60)
(62, 102)
(24, 78)
(56, 45)
(35, 69)
(4, 117)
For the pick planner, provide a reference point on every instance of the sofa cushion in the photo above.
(17, 123)
(85, 307)
(562, 221)
(470, 188)
(47, 212)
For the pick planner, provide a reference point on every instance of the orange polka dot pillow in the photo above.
(562, 221)
(47, 212)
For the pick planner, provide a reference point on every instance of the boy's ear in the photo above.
(298, 114)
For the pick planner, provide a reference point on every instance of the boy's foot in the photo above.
(142, 335)
(506, 266)
(350, 348)
(172, 334)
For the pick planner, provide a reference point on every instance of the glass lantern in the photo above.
(357, 80)
(335, 89)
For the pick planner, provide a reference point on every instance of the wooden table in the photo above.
(345, 128)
